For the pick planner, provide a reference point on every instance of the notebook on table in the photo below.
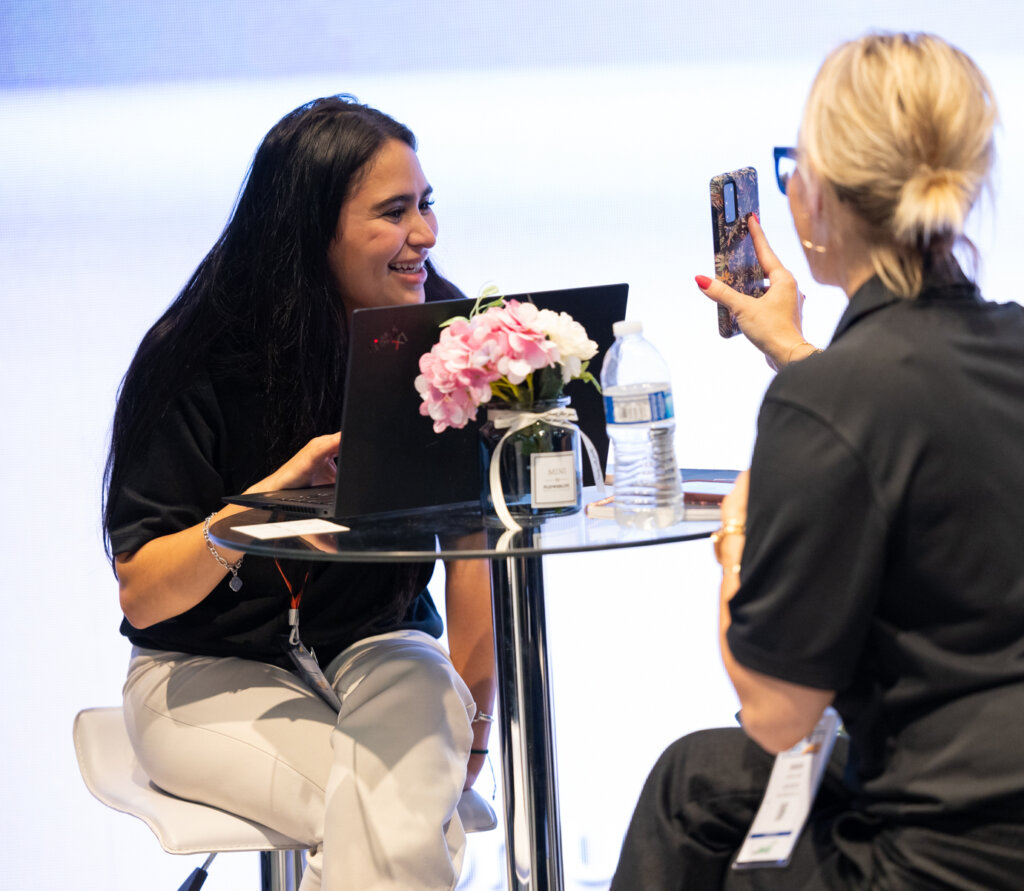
(391, 462)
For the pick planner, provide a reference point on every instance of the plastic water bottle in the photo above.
(641, 426)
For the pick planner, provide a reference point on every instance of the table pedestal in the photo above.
(526, 726)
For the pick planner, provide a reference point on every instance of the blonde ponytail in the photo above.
(933, 204)
(900, 126)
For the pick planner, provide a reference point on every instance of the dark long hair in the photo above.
(263, 304)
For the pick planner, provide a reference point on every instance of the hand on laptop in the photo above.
(312, 465)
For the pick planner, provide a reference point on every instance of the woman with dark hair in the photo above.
(232, 390)
(871, 557)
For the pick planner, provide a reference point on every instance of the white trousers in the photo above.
(372, 790)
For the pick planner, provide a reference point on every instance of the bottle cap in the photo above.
(620, 329)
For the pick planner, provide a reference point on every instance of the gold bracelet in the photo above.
(814, 349)
(728, 527)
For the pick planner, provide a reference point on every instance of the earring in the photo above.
(810, 224)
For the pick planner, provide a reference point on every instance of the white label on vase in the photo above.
(552, 479)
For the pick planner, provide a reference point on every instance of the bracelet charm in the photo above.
(236, 583)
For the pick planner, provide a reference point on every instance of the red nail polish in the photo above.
(703, 282)
(756, 217)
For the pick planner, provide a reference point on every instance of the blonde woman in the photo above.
(872, 557)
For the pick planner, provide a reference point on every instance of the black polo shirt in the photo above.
(884, 556)
(210, 443)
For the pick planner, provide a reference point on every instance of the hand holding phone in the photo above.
(733, 198)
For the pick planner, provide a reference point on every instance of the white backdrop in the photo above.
(562, 153)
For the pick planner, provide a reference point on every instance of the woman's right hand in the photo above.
(312, 465)
(773, 323)
(171, 574)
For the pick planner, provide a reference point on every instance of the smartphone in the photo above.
(733, 199)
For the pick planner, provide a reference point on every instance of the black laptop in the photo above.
(391, 462)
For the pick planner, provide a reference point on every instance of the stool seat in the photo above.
(113, 774)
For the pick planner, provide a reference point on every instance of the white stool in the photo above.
(113, 774)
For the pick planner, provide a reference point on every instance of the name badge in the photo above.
(794, 781)
(305, 661)
(307, 666)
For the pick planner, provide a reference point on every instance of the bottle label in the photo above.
(639, 408)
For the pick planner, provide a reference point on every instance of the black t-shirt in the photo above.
(884, 556)
(210, 443)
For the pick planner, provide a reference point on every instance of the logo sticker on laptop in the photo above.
(391, 340)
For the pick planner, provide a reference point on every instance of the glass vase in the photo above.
(540, 469)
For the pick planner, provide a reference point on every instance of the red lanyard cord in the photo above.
(295, 595)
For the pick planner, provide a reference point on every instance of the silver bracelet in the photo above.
(482, 718)
(236, 583)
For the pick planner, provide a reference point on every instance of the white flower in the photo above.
(574, 347)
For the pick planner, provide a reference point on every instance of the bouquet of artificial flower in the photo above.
(509, 351)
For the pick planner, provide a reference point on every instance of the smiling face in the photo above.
(385, 230)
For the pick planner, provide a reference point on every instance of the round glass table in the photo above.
(524, 716)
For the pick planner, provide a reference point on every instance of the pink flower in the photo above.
(455, 377)
(503, 346)
(522, 346)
